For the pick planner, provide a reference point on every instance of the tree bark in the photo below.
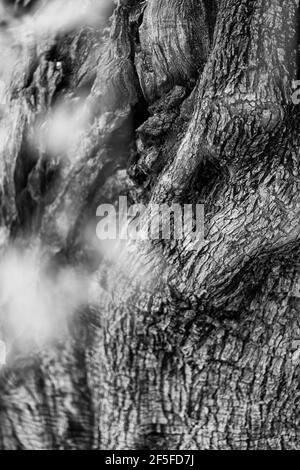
(181, 345)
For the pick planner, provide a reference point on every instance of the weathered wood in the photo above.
(179, 347)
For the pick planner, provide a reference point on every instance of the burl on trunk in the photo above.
(177, 345)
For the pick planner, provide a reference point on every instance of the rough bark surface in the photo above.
(182, 345)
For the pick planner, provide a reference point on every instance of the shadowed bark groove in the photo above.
(183, 345)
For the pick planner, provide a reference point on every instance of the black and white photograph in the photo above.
(150, 228)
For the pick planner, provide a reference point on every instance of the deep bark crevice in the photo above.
(182, 345)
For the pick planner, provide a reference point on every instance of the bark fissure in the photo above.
(182, 345)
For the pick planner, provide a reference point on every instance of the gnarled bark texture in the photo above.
(182, 345)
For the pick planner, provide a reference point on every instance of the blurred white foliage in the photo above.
(36, 304)
(48, 19)
(54, 17)
(60, 16)
(60, 131)
(2, 93)
(2, 353)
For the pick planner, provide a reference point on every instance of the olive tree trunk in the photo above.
(182, 345)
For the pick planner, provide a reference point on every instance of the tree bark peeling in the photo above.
(181, 346)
